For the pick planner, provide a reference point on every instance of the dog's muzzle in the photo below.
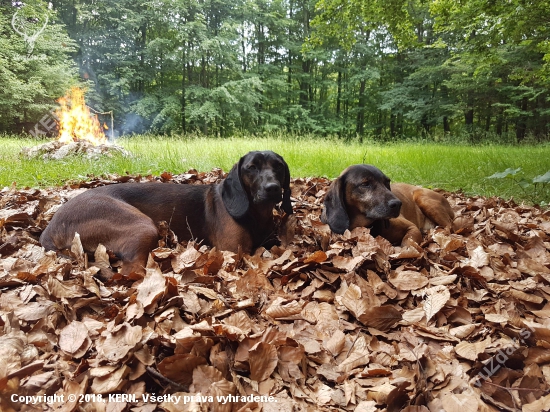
(387, 210)
(271, 192)
(394, 207)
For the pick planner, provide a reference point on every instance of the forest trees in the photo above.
(503, 48)
(353, 68)
(31, 79)
(478, 66)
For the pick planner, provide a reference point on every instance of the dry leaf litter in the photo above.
(320, 323)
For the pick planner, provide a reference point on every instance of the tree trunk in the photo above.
(360, 123)
(425, 125)
(304, 84)
(183, 65)
(488, 118)
(339, 94)
(521, 125)
(446, 125)
(469, 114)
(243, 47)
(499, 122)
(469, 118)
(203, 75)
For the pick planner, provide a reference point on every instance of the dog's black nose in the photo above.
(395, 204)
(273, 188)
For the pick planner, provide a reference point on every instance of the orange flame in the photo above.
(75, 121)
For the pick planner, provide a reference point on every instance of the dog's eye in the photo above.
(251, 166)
(365, 184)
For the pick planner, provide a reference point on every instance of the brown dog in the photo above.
(124, 217)
(362, 196)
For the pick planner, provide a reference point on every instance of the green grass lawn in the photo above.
(450, 167)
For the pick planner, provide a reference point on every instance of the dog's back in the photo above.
(423, 207)
(123, 205)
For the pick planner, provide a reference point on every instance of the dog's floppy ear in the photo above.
(286, 205)
(334, 212)
(387, 221)
(234, 196)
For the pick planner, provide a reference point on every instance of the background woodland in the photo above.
(442, 69)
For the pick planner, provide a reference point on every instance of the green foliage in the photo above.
(500, 48)
(474, 66)
(508, 173)
(228, 107)
(341, 18)
(545, 178)
(30, 83)
(536, 190)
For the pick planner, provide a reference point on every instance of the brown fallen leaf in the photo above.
(335, 344)
(381, 317)
(435, 300)
(408, 280)
(459, 402)
(74, 339)
(358, 356)
(209, 381)
(151, 288)
(263, 361)
(280, 310)
(110, 382)
(34, 311)
(471, 351)
(118, 342)
(179, 368)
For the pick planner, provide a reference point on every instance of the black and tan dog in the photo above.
(362, 196)
(124, 217)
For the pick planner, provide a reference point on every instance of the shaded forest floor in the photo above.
(319, 323)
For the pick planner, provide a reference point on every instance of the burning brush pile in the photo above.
(80, 133)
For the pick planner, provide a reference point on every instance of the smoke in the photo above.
(133, 123)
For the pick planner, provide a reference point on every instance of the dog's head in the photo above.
(360, 196)
(260, 180)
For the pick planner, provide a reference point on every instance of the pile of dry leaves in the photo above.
(320, 323)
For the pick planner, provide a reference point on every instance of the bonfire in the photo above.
(80, 132)
(76, 123)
